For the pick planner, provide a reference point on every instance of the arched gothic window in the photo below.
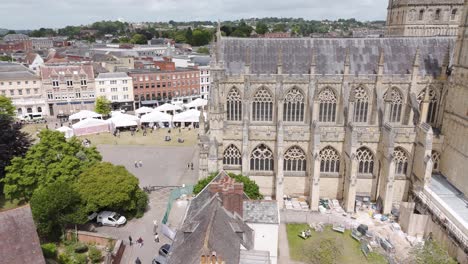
(366, 160)
(29, 110)
(401, 161)
(437, 14)
(293, 106)
(234, 105)
(20, 111)
(361, 105)
(327, 107)
(421, 14)
(232, 156)
(396, 105)
(39, 109)
(436, 160)
(433, 103)
(329, 160)
(261, 159)
(262, 106)
(294, 159)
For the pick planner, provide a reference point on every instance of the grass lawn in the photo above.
(351, 252)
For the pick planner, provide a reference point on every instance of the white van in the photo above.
(108, 218)
(33, 117)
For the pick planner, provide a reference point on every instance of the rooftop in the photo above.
(136, 71)
(264, 212)
(109, 75)
(15, 71)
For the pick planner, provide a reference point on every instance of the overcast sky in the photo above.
(33, 14)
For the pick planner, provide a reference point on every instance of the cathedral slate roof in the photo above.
(330, 54)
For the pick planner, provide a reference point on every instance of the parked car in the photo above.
(33, 118)
(108, 218)
(159, 260)
(164, 250)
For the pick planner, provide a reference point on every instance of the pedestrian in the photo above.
(136, 164)
(130, 240)
(191, 165)
(140, 241)
(141, 163)
(155, 227)
(179, 130)
(188, 165)
(156, 238)
(137, 260)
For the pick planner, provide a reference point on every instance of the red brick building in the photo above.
(154, 86)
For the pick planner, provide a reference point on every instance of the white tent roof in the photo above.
(191, 115)
(64, 129)
(144, 110)
(167, 107)
(197, 103)
(84, 114)
(156, 117)
(89, 122)
(124, 120)
(127, 116)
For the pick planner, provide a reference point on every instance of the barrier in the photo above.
(174, 195)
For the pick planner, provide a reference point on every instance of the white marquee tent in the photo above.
(83, 114)
(144, 110)
(66, 130)
(168, 107)
(90, 126)
(124, 120)
(197, 103)
(191, 115)
(155, 117)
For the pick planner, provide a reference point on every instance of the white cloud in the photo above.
(31, 14)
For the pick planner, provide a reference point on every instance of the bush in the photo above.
(250, 187)
(81, 248)
(94, 254)
(64, 259)
(49, 250)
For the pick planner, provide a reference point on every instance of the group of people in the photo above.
(190, 165)
(139, 241)
(138, 164)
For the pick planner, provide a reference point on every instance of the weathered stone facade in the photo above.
(424, 17)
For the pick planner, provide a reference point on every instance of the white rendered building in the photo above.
(117, 87)
(204, 81)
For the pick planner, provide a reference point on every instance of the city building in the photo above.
(14, 43)
(68, 88)
(117, 87)
(204, 81)
(153, 86)
(20, 243)
(24, 87)
(424, 17)
(42, 43)
(135, 51)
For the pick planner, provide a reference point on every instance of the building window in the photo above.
(114, 90)
(102, 90)
(113, 82)
(125, 96)
(55, 83)
(115, 97)
(401, 161)
(125, 89)
(234, 105)
(3, 92)
(39, 109)
(69, 83)
(20, 111)
(12, 92)
(329, 160)
(36, 90)
(34, 82)
(295, 159)
(125, 81)
(433, 103)
(20, 92)
(294, 106)
(78, 94)
(261, 159)
(83, 82)
(50, 95)
(396, 105)
(421, 14)
(437, 14)
(365, 159)
(19, 83)
(29, 110)
(436, 161)
(361, 105)
(101, 82)
(26, 82)
(262, 106)
(453, 16)
(327, 107)
(28, 91)
(232, 156)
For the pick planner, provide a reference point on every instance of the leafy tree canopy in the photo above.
(261, 28)
(279, 28)
(106, 186)
(201, 37)
(139, 39)
(203, 50)
(6, 106)
(103, 106)
(52, 159)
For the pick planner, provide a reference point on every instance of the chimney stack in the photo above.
(230, 192)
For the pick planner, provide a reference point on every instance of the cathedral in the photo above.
(344, 118)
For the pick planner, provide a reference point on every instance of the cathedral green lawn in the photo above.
(351, 252)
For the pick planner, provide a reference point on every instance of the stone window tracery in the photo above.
(261, 159)
(232, 156)
(329, 160)
(401, 161)
(436, 161)
(234, 105)
(262, 106)
(361, 105)
(396, 105)
(327, 106)
(294, 159)
(421, 14)
(433, 103)
(366, 160)
(293, 106)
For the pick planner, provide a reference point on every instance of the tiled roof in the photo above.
(15, 71)
(330, 54)
(49, 70)
(19, 242)
(264, 212)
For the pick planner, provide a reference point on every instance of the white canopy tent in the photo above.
(168, 107)
(90, 126)
(83, 114)
(144, 110)
(191, 115)
(66, 130)
(124, 120)
(197, 103)
(155, 117)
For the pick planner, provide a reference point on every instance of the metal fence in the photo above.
(174, 195)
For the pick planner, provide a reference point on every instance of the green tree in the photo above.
(201, 37)
(124, 40)
(203, 50)
(279, 28)
(11, 32)
(189, 35)
(6, 106)
(6, 58)
(53, 207)
(106, 186)
(103, 106)
(431, 253)
(261, 28)
(52, 159)
(139, 39)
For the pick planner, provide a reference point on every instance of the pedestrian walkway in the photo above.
(283, 246)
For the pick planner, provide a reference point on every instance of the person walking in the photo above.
(156, 237)
(188, 165)
(140, 163)
(137, 260)
(155, 227)
(136, 164)
(130, 240)
(140, 241)
(191, 165)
